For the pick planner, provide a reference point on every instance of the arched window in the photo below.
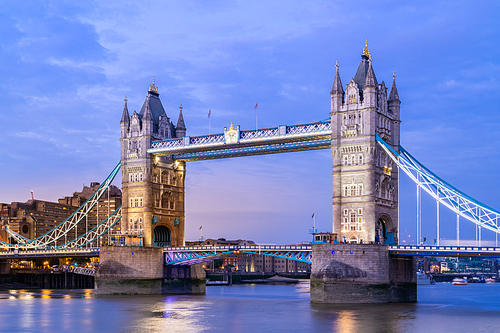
(140, 177)
(140, 202)
(353, 217)
(360, 160)
(136, 225)
(131, 224)
(140, 223)
(131, 177)
(135, 177)
(131, 202)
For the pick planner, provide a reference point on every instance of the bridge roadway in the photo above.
(195, 254)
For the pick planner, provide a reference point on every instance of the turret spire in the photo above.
(180, 129)
(370, 76)
(125, 115)
(393, 95)
(337, 84)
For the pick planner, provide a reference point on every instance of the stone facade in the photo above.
(365, 180)
(153, 186)
(361, 273)
(135, 270)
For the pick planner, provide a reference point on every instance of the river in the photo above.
(250, 308)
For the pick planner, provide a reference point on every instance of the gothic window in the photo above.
(360, 189)
(346, 212)
(140, 202)
(164, 201)
(360, 160)
(172, 204)
(136, 225)
(360, 211)
(353, 227)
(131, 202)
(131, 177)
(136, 202)
(131, 224)
(345, 159)
(360, 219)
(135, 177)
(140, 177)
(140, 223)
(345, 219)
(359, 227)
(353, 217)
(353, 160)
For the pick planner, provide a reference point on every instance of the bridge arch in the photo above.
(162, 236)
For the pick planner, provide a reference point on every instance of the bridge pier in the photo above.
(4, 266)
(134, 270)
(361, 273)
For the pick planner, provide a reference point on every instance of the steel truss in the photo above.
(446, 194)
(95, 232)
(192, 255)
(82, 270)
(64, 227)
(254, 150)
(259, 137)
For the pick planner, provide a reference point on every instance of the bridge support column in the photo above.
(129, 270)
(4, 267)
(184, 280)
(361, 273)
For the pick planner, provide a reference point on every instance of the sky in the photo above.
(66, 67)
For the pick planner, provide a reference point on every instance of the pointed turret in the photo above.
(337, 93)
(362, 71)
(370, 89)
(393, 102)
(180, 129)
(393, 95)
(125, 115)
(370, 76)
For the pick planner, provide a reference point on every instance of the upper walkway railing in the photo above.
(260, 137)
(445, 251)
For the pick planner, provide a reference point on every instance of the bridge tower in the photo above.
(365, 180)
(153, 186)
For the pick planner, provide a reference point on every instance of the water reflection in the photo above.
(249, 308)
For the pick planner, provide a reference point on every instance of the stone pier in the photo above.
(361, 273)
(134, 270)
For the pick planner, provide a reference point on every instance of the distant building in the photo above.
(34, 218)
(223, 241)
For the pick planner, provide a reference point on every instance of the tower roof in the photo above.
(360, 76)
(393, 95)
(154, 105)
(180, 122)
(125, 115)
(337, 84)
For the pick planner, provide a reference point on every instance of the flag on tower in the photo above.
(255, 107)
(201, 227)
(312, 216)
(209, 113)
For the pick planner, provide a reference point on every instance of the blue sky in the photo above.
(66, 67)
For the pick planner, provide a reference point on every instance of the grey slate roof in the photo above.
(360, 76)
(155, 106)
(370, 76)
(337, 83)
(125, 115)
(180, 122)
(393, 95)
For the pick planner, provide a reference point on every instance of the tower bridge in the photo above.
(363, 134)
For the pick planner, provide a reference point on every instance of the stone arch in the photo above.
(161, 236)
(384, 230)
(353, 239)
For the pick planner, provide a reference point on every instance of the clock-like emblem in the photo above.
(232, 135)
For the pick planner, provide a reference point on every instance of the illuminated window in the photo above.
(360, 211)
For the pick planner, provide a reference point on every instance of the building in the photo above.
(365, 180)
(34, 218)
(223, 241)
(153, 187)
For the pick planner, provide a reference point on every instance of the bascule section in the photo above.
(365, 179)
(153, 186)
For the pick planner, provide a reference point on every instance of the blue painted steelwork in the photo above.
(254, 150)
(446, 194)
(262, 137)
(445, 251)
(197, 254)
(50, 238)
(57, 253)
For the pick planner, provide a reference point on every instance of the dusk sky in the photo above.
(66, 67)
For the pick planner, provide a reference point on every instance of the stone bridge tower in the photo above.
(153, 186)
(365, 180)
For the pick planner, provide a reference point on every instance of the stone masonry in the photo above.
(355, 273)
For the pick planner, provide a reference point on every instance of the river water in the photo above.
(250, 308)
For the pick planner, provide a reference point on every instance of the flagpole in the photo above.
(256, 116)
(209, 120)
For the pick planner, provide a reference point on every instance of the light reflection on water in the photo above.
(250, 308)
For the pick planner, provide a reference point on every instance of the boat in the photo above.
(459, 282)
(423, 279)
(491, 280)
